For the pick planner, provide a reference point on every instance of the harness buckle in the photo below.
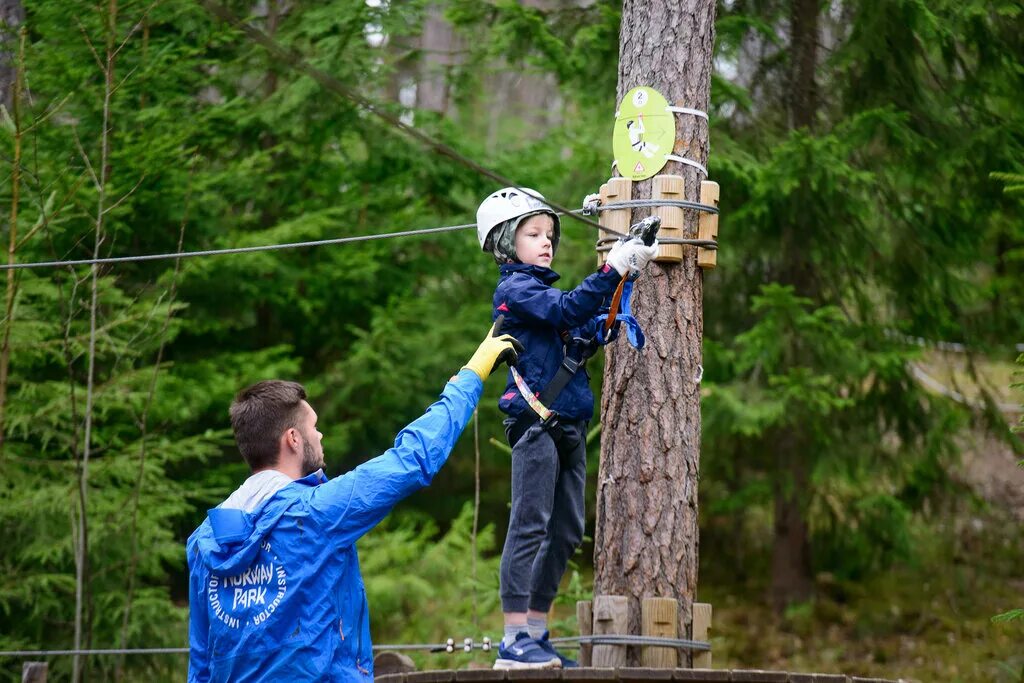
(550, 422)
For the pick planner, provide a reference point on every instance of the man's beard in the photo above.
(310, 459)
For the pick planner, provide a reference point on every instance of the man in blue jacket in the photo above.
(275, 589)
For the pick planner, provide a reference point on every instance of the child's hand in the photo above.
(631, 255)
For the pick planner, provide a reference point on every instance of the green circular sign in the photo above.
(645, 132)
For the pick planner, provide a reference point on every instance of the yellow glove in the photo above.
(495, 349)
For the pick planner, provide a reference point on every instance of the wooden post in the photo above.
(701, 626)
(34, 672)
(611, 617)
(615, 190)
(669, 187)
(585, 622)
(708, 258)
(658, 618)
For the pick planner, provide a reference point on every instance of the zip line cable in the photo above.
(235, 250)
(297, 62)
(707, 244)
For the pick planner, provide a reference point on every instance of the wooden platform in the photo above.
(622, 675)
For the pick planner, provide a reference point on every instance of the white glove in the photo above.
(631, 255)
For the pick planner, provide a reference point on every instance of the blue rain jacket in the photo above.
(536, 314)
(276, 594)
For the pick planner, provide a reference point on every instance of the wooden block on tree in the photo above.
(701, 625)
(585, 622)
(708, 224)
(615, 190)
(611, 617)
(669, 187)
(34, 672)
(658, 618)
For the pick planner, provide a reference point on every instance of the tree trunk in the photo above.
(12, 15)
(646, 537)
(791, 557)
(791, 579)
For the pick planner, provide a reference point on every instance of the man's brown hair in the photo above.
(260, 414)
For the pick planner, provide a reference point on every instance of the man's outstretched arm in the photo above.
(349, 506)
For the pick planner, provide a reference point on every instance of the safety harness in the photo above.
(617, 313)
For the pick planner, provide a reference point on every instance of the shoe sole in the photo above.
(506, 664)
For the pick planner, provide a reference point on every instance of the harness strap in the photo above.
(539, 402)
(532, 399)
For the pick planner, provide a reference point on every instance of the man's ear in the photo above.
(290, 439)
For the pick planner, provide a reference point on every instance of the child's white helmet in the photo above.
(509, 204)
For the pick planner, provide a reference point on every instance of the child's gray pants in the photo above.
(546, 522)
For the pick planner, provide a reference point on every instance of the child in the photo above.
(548, 457)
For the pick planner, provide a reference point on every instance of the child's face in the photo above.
(534, 240)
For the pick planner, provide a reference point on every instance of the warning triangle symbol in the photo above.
(639, 168)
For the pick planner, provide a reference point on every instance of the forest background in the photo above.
(861, 225)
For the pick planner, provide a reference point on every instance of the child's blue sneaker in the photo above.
(525, 653)
(546, 645)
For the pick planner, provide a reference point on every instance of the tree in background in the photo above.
(852, 193)
(874, 214)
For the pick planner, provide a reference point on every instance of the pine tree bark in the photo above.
(646, 540)
(12, 15)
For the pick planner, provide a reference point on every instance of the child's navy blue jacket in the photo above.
(536, 313)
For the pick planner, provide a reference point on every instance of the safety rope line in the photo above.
(707, 244)
(623, 639)
(235, 250)
(605, 244)
(633, 203)
(297, 62)
(185, 650)
(450, 646)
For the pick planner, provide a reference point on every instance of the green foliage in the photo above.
(436, 578)
(880, 217)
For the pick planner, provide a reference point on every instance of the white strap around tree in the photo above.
(689, 162)
(688, 110)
